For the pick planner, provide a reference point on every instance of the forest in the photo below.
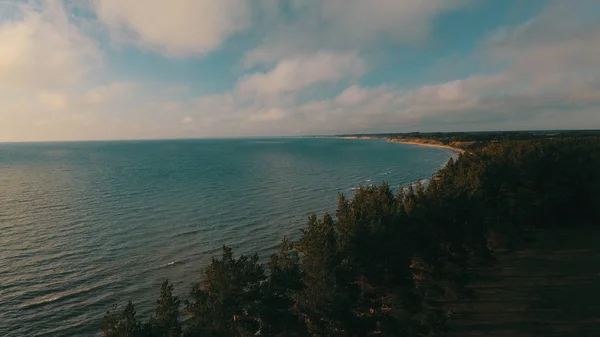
(389, 264)
(483, 137)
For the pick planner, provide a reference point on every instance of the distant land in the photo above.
(468, 140)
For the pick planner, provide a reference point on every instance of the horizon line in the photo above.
(279, 136)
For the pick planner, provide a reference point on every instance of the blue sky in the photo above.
(127, 69)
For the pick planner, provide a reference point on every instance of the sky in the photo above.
(154, 69)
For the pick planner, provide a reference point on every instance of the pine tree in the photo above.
(228, 300)
(279, 318)
(121, 323)
(326, 301)
(167, 312)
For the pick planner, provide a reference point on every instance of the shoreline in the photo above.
(441, 146)
(455, 150)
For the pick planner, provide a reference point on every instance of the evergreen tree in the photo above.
(279, 316)
(326, 301)
(167, 313)
(228, 300)
(122, 323)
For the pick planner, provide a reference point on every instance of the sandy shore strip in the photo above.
(453, 149)
(400, 141)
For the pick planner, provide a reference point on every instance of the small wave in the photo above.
(48, 300)
(186, 233)
(56, 153)
(59, 297)
(174, 263)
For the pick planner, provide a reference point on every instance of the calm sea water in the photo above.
(86, 225)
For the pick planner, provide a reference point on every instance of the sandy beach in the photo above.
(453, 149)
(395, 140)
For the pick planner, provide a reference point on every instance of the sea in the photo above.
(87, 225)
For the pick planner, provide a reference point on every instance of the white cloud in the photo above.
(270, 115)
(294, 74)
(68, 114)
(344, 24)
(563, 38)
(403, 20)
(356, 95)
(456, 94)
(109, 92)
(53, 100)
(42, 49)
(169, 106)
(474, 103)
(208, 104)
(176, 27)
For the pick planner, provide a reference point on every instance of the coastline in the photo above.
(453, 149)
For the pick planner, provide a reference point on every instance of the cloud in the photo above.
(549, 78)
(312, 25)
(295, 74)
(53, 100)
(356, 95)
(473, 103)
(308, 70)
(98, 113)
(271, 115)
(269, 99)
(542, 83)
(457, 93)
(176, 27)
(109, 92)
(562, 38)
(169, 106)
(41, 49)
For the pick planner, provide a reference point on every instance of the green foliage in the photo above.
(121, 323)
(167, 322)
(389, 264)
(325, 301)
(279, 316)
(228, 300)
